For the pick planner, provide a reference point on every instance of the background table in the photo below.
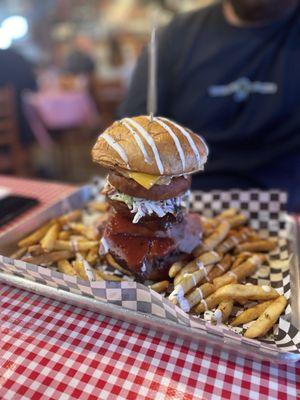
(51, 350)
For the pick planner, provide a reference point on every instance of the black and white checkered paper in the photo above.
(266, 213)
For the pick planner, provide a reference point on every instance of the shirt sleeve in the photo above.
(135, 102)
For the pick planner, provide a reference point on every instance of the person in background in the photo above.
(16, 71)
(80, 60)
(231, 72)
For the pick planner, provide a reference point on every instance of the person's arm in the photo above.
(135, 102)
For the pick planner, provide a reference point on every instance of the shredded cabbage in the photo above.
(142, 207)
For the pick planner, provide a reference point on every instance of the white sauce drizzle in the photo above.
(234, 239)
(200, 293)
(231, 273)
(194, 279)
(138, 141)
(116, 146)
(218, 316)
(105, 246)
(220, 267)
(199, 264)
(205, 304)
(189, 139)
(74, 244)
(149, 140)
(266, 288)
(175, 140)
(202, 268)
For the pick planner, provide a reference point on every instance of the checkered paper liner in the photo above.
(266, 213)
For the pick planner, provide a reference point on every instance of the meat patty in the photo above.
(176, 187)
(123, 209)
(147, 253)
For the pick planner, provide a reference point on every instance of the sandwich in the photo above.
(150, 161)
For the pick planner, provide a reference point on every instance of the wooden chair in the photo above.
(13, 157)
(107, 96)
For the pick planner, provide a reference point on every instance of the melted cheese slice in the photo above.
(145, 180)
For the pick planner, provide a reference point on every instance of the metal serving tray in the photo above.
(160, 325)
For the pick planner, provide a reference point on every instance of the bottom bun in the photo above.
(149, 254)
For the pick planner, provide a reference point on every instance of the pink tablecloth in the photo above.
(58, 110)
(51, 350)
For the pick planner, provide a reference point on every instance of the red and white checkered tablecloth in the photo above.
(50, 350)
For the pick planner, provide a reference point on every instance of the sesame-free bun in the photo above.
(154, 146)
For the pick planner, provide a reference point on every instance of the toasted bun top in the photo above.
(156, 147)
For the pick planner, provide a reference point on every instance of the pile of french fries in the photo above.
(213, 278)
(70, 244)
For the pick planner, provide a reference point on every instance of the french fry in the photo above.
(80, 270)
(97, 275)
(90, 272)
(204, 259)
(237, 220)
(259, 246)
(267, 319)
(48, 241)
(229, 213)
(99, 206)
(242, 257)
(50, 257)
(64, 235)
(188, 282)
(77, 245)
(69, 217)
(65, 267)
(77, 227)
(246, 292)
(231, 241)
(212, 241)
(18, 254)
(36, 236)
(233, 292)
(223, 311)
(207, 304)
(220, 268)
(35, 250)
(111, 261)
(251, 313)
(209, 223)
(200, 293)
(108, 277)
(176, 267)
(245, 269)
(90, 232)
(160, 287)
(92, 256)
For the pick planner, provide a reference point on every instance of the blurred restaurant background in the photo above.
(68, 66)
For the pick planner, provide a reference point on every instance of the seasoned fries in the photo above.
(49, 258)
(213, 240)
(176, 267)
(48, 241)
(75, 245)
(257, 246)
(36, 236)
(211, 278)
(65, 267)
(267, 319)
(250, 314)
(160, 287)
(203, 260)
(223, 311)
